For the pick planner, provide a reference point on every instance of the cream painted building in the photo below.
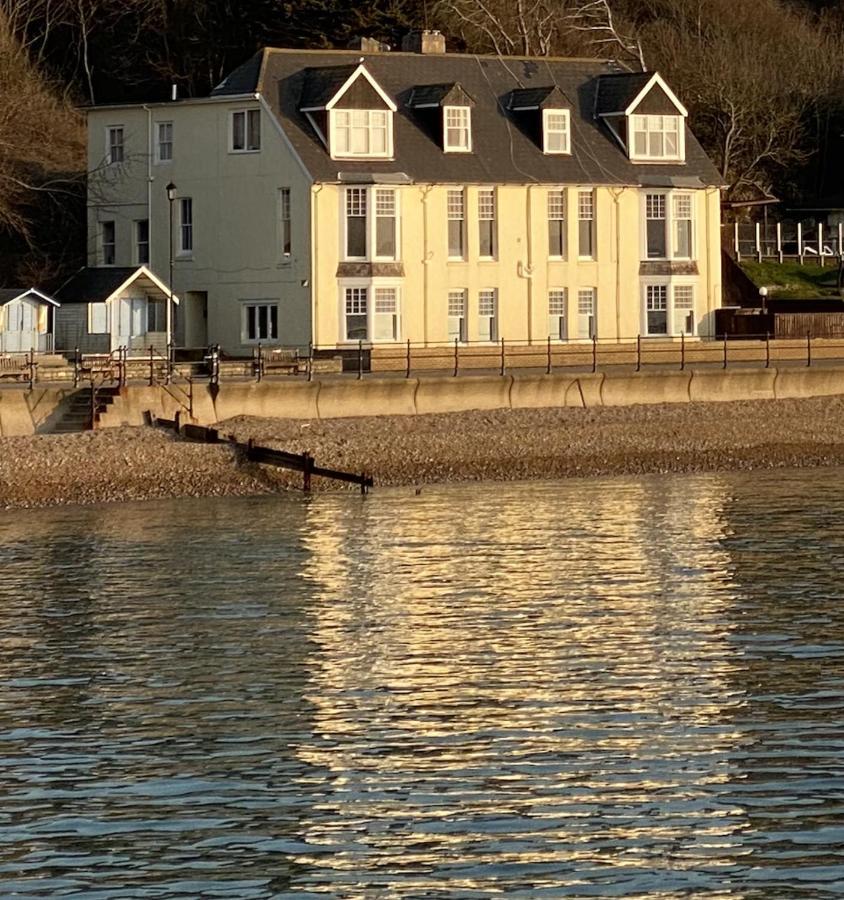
(342, 196)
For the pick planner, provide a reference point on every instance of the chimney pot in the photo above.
(367, 45)
(423, 42)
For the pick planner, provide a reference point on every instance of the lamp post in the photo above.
(763, 296)
(171, 196)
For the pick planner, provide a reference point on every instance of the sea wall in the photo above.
(27, 412)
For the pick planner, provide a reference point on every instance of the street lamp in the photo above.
(763, 296)
(171, 196)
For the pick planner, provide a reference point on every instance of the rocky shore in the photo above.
(144, 463)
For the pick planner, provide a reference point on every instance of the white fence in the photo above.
(801, 241)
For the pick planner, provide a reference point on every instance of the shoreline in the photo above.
(141, 463)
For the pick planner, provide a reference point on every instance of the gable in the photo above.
(360, 95)
(655, 103)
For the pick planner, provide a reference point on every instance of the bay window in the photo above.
(669, 309)
(371, 236)
(371, 312)
(669, 226)
(385, 326)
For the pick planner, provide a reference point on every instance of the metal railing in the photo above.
(803, 241)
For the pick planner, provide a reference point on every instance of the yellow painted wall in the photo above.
(522, 272)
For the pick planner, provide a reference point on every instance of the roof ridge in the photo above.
(387, 54)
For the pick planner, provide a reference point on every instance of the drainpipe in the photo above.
(710, 317)
(426, 257)
(149, 189)
(529, 267)
(315, 190)
(616, 195)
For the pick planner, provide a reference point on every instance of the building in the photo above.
(26, 320)
(365, 195)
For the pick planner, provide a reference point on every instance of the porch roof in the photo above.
(103, 283)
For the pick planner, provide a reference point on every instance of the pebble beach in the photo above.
(122, 464)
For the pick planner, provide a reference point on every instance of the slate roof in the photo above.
(536, 98)
(92, 285)
(617, 92)
(321, 84)
(439, 95)
(504, 150)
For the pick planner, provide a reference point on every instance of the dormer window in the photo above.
(361, 132)
(556, 133)
(457, 129)
(656, 138)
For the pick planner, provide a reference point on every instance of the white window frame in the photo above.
(462, 318)
(159, 159)
(485, 193)
(670, 199)
(371, 199)
(139, 243)
(111, 159)
(555, 197)
(581, 210)
(371, 285)
(548, 131)
(185, 228)
(494, 317)
(250, 115)
(463, 129)
(593, 327)
(349, 153)
(112, 243)
(675, 316)
(264, 302)
(650, 124)
(285, 224)
(452, 216)
(555, 317)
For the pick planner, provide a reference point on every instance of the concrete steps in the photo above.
(77, 416)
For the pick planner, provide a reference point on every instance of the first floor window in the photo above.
(246, 131)
(456, 223)
(656, 309)
(682, 209)
(142, 241)
(586, 319)
(115, 151)
(586, 224)
(261, 321)
(488, 315)
(185, 225)
(355, 223)
(557, 223)
(385, 223)
(356, 303)
(284, 223)
(557, 330)
(108, 243)
(486, 223)
(457, 316)
(669, 309)
(165, 142)
(385, 326)
(655, 221)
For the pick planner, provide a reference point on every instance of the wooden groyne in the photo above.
(297, 462)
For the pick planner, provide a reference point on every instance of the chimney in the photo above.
(367, 45)
(423, 42)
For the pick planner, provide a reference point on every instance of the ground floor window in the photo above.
(260, 321)
(669, 309)
(457, 316)
(557, 330)
(586, 316)
(371, 312)
(488, 315)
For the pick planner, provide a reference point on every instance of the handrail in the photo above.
(182, 396)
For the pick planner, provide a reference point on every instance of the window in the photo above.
(656, 309)
(682, 209)
(557, 224)
(284, 224)
(142, 242)
(98, 318)
(557, 330)
(669, 309)
(488, 315)
(356, 313)
(115, 152)
(586, 320)
(657, 137)
(555, 131)
(458, 135)
(486, 223)
(668, 226)
(655, 221)
(246, 131)
(385, 224)
(457, 316)
(157, 315)
(361, 132)
(356, 223)
(185, 226)
(108, 243)
(164, 144)
(385, 326)
(586, 224)
(456, 202)
(374, 237)
(260, 322)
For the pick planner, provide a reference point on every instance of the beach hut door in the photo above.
(131, 323)
(21, 326)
